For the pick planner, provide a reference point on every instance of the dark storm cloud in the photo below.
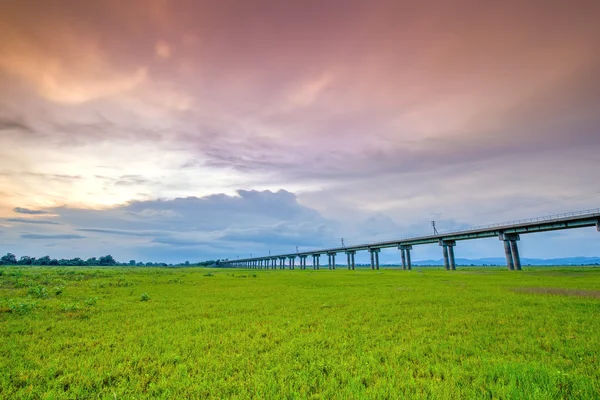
(28, 211)
(122, 232)
(31, 221)
(16, 124)
(51, 237)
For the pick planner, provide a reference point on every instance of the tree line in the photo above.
(108, 260)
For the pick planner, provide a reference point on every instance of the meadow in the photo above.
(152, 333)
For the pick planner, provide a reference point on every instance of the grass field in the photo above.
(199, 333)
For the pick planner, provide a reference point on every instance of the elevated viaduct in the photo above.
(509, 233)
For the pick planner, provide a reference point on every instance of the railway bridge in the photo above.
(509, 233)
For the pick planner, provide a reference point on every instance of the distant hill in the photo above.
(524, 261)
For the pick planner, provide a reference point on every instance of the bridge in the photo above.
(509, 233)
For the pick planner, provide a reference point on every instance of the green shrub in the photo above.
(59, 289)
(69, 307)
(91, 302)
(145, 297)
(38, 291)
(21, 307)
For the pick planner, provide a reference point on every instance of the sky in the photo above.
(182, 130)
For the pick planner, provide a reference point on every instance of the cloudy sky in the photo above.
(190, 130)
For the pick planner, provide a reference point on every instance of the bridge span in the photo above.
(509, 233)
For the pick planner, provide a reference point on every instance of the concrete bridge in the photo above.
(509, 233)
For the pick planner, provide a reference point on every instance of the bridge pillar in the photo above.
(292, 261)
(316, 261)
(351, 264)
(448, 251)
(598, 225)
(405, 255)
(331, 260)
(374, 258)
(303, 261)
(515, 253)
(445, 253)
(451, 260)
(273, 263)
(511, 250)
(508, 254)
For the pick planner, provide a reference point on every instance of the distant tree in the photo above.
(9, 259)
(77, 261)
(42, 261)
(107, 260)
(26, 260)
(54, 261)
(92, 261)
(131, 262)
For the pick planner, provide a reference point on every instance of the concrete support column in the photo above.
(350, 254)
(405, 254)
(448, 248)
(374, 258)
(511, 250)
(445, 251)
(333, 261)
(515, 254)
(508, 253)
(317, 256)
(328, 261)
(403, 257)
(451, 257)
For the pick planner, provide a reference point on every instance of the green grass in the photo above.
(197, 333)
